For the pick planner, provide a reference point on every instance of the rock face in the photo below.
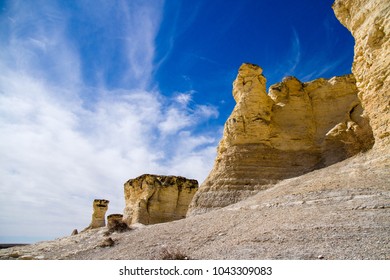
(152, 199)
(295, 128)
(100, 207)
(369, 23)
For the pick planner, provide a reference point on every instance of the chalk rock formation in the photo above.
(369, 23)
(113, 220)
(295, 128)
(152, 199)
(115, 223)
(100, 207)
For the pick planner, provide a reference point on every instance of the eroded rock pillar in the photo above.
(100, 207)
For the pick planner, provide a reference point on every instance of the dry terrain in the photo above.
(339, 212)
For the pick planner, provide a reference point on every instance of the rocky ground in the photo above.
(339, 212)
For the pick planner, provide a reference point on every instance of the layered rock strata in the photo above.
(369, 23)
(295, 128)
(152, 199)
(100, 207)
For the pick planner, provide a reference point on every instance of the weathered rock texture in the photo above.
(369, 23)
(115, 223)
(100, 207)
(152, 199)
(295, 128)
(113, 220)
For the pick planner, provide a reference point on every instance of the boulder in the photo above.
(115, 223)
(113, 220)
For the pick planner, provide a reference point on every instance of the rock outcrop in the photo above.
(295, 128)
(152, 199)
(113, 220)
(115, 223)
(100, 207)
(369, 23)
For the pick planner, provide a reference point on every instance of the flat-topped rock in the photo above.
(152, 199)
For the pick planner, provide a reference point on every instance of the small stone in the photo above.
(108, 242)
(26, 257)
(75, 232)
(320, 257)
(14, 255)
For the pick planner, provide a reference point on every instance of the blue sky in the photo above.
(93, 93)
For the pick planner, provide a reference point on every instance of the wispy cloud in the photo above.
(321, 68)
(294, 55)
(308, 59)
(142, 21)
(56, 153)
(182, 113)
(172, 27)
(287, 63)
(324, 62)
(35, 42)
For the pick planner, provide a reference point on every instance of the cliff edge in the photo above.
(369, 23)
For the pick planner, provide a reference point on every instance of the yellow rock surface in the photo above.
(152, 199)
(369, 23)
(295, 128)
(100, 207)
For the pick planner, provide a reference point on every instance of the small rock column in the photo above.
(100, 207)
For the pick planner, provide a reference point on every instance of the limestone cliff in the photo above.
(295, 128)
(369, 23)
(152, 199)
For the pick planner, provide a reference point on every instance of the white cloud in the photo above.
(184, 98)
(180, 115)
(58, 153)
(60, 156)
(141, 21)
